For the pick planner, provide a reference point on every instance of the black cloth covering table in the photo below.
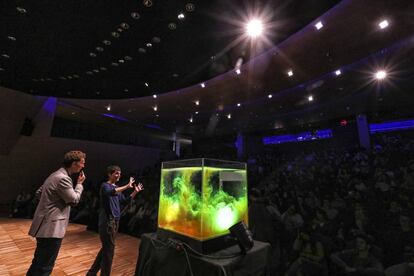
(160, 258)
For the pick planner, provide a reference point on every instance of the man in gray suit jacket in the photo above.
(52, 213)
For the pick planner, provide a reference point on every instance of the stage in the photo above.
(77, 253)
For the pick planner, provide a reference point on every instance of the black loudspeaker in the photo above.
(27, 128)
(243, 236)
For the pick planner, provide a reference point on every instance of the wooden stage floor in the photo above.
(76, 255)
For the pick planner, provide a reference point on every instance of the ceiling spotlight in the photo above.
(5, 55)
(147, 3)
(181, 16)
(203, 85)
(196, 112)
(254, 28)
(69, 77)
(92, 54)
(175, 75)
(319, 25)
(108, 107)
(228, 116)
(62, 78)
(146, 84)
(238, 72)
(380, 75)
(96, 70)
(154, 96)
(126, 90)
(149, 44)
(114, 64)
(338, 72)
(310, 98)
(99, 49)
(156, 39)
(135, 15)
(269, 96)
(77, 76)
(107, 42)
(89, 72)
(128, 58)
(121, 61)
(12, 38)
(155, 108)
(197, 102)
(124, 26)
(115, 34)
(290, 73)
(172, 26)
(142, 50)
(190, 120)
(239, 104)
(383, 24)
(190, 7)
(103, 68)
(21, 10)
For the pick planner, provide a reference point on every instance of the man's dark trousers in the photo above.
(47, 250)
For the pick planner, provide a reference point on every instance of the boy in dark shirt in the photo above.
(109, 215)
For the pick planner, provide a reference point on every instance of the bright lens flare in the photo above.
(254, 28)
(380, 75)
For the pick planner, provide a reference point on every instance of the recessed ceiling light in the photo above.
(99, 49)
(310, 98)
(103, 68)
(147, 3)
(1, 69)
(196, 112)
(380, 75)
(181, 16)
(290, 73)
(149, 44)
(175, 75)
(76, 76)
(191, 119)
(319, 25)
(115, 34)
(190, 7)
(21, 10)
(338, 72)
(197, 102)
(155, 108)
(62, 78)
(154, 96)
(69, 77)
(135, 15)
(12, 38)
(96, 70)
(156, 39)
(238, 72)
(121, 61)
(5, 55)
(172, 26)
(124, 26)
(92, 54)
(269, 96)
(142, 50)
(89, 72)
(228, 116)
(126, 90)
(107, 42)
(128, 58)
(42, 79)
(383, 24)
(114, 64)
(146, 84)
(119, 30)
(203, 85)
(98, 92)
(108, 107)
(239, 104)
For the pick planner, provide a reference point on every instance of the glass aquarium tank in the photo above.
(201, 199)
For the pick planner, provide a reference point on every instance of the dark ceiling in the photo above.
(350, 40)
(68, 48)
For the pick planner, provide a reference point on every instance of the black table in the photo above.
(157, 257)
